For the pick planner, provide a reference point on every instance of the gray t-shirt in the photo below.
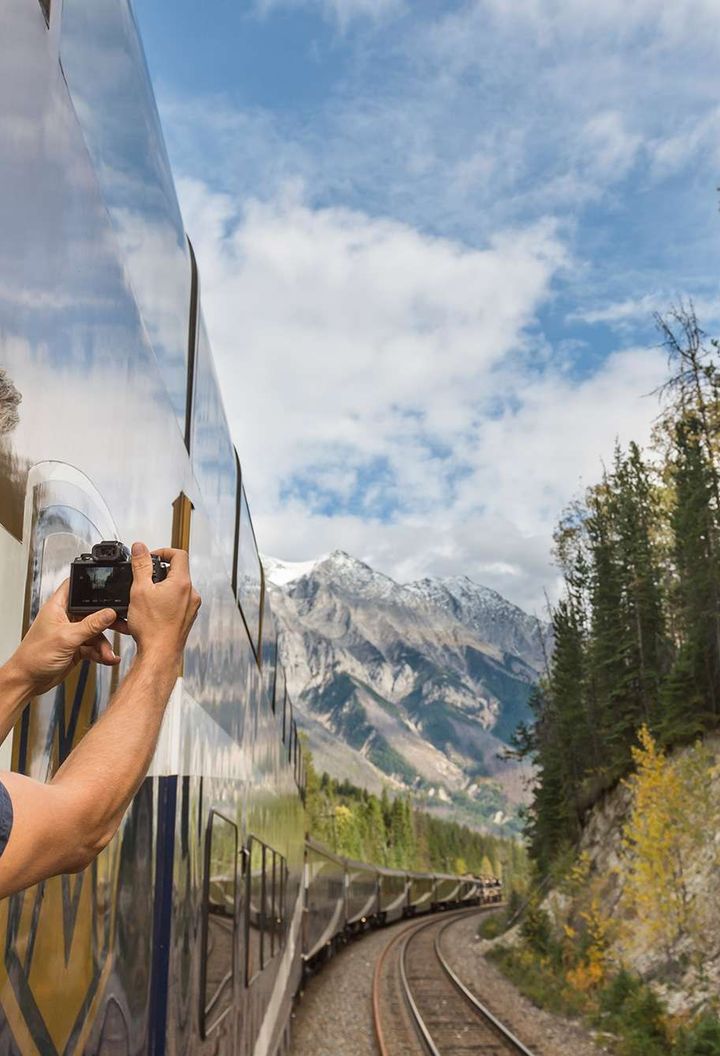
(6, 817)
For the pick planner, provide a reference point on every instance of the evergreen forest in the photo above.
(390, 831)
(637, 628)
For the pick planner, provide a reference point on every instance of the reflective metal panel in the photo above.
(106, 73)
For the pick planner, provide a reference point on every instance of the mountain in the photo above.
(417, 685)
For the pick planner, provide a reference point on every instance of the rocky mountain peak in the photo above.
(417, 685)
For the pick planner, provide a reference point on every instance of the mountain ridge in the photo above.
(418, 685)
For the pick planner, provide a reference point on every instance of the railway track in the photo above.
(447, 1018)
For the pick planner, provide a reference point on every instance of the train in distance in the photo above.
(190, 932)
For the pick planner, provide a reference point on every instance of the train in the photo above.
(188, 934)
(344, 898)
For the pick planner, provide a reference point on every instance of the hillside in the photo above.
(419, 685)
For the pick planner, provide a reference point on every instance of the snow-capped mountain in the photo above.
(420, 684)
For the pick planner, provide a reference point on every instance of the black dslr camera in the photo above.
(102, 579)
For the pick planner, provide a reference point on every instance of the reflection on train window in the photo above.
(211, 451)
(45, 5)
(249, 574)
(268, 650)
(255, 922)
(270, 895)
(218, 961)
(265, 899)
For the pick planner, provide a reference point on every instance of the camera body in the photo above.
(103, 578)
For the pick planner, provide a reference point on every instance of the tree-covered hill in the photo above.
(637, 630)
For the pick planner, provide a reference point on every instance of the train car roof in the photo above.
(368, 867)
(320, 848)
(385, 870)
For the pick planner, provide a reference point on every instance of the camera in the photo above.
(102, 579)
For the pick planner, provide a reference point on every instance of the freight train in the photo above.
(185, 936)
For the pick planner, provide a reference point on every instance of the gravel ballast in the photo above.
(544, 1033)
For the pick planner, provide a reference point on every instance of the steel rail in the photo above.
(482, 1010)
(402, 934)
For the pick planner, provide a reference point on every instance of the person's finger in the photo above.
(120, 626)
(60, 597)
(142, 565)
(177, 559)
(100, 654)
(92, 625)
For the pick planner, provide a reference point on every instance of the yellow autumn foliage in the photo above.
(672, 813)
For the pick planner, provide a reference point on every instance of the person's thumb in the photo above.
(141, 562)
(94, 624)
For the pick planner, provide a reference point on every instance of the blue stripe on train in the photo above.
(162, 913)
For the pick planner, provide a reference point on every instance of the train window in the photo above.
(270, 881)
(255, 909)
(249, 573)
(220, 906)
(45, 7)
(211, 451)
(280, 692)
(268, 650)
(266, 894)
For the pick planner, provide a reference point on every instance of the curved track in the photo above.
(448, 1018)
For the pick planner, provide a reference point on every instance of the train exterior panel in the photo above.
(324, 899)
(393, 894)
(362, 893)
(420, 894)
(447, 889)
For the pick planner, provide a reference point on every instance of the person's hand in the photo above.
(54, 644)
(160, 615)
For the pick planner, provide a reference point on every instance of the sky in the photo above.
(431, 239)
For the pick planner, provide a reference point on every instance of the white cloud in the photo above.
(389, 394)
(340, 11)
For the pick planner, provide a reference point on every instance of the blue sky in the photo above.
(431, 239)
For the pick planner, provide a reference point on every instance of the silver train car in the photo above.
(185, 935)
(189, 933)
(343, 897)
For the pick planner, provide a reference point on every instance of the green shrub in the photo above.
(633, 1011)
(536, 930)
(701, 1039)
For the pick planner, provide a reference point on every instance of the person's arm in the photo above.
(62, 826)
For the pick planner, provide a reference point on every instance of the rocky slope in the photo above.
(419, 684)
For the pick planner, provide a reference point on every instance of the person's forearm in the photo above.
(15, 692)
(106, 768)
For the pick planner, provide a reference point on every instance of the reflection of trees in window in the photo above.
(220, 902)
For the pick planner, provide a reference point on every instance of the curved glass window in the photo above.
(218, 960)
(268, 650)
(211, 450)
(249, 573)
